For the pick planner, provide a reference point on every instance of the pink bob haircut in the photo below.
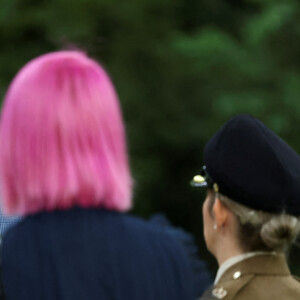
(62, 138)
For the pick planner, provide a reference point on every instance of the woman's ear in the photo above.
(221, 213)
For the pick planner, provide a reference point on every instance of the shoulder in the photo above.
(90, 224)
(154, 236)
(106, 245)
(228, 290)
(106, 231)
(262, 276)
(251, 287)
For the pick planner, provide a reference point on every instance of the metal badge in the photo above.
(219, 293)
(199, 181)
(237, 275)
(216, 187)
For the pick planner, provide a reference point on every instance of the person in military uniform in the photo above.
(251, 212)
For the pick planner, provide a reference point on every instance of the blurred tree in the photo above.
(182, 68)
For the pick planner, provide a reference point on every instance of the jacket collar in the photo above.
(236, 259)
(264, 264)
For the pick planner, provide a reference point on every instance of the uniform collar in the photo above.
(236, 276)
(236, 259)
(267, 263)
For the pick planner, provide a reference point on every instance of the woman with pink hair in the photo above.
(64, 167)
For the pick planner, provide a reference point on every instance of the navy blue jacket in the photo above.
(90, 254)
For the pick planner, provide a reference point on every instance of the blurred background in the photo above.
(181, 68)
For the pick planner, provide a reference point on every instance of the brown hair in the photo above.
(261, 231)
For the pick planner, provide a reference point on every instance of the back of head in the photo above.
(256, 175)
(254, 166)
(62, 138)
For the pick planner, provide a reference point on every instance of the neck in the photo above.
(226, 249)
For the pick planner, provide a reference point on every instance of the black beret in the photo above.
(253, 166)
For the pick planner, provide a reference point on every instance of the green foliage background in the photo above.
(181, 68)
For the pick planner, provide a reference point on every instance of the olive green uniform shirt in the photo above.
(261, 277)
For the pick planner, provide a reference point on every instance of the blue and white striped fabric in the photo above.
(6, 222)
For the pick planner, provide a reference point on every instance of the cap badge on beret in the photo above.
(204, 180)
(198, 179)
